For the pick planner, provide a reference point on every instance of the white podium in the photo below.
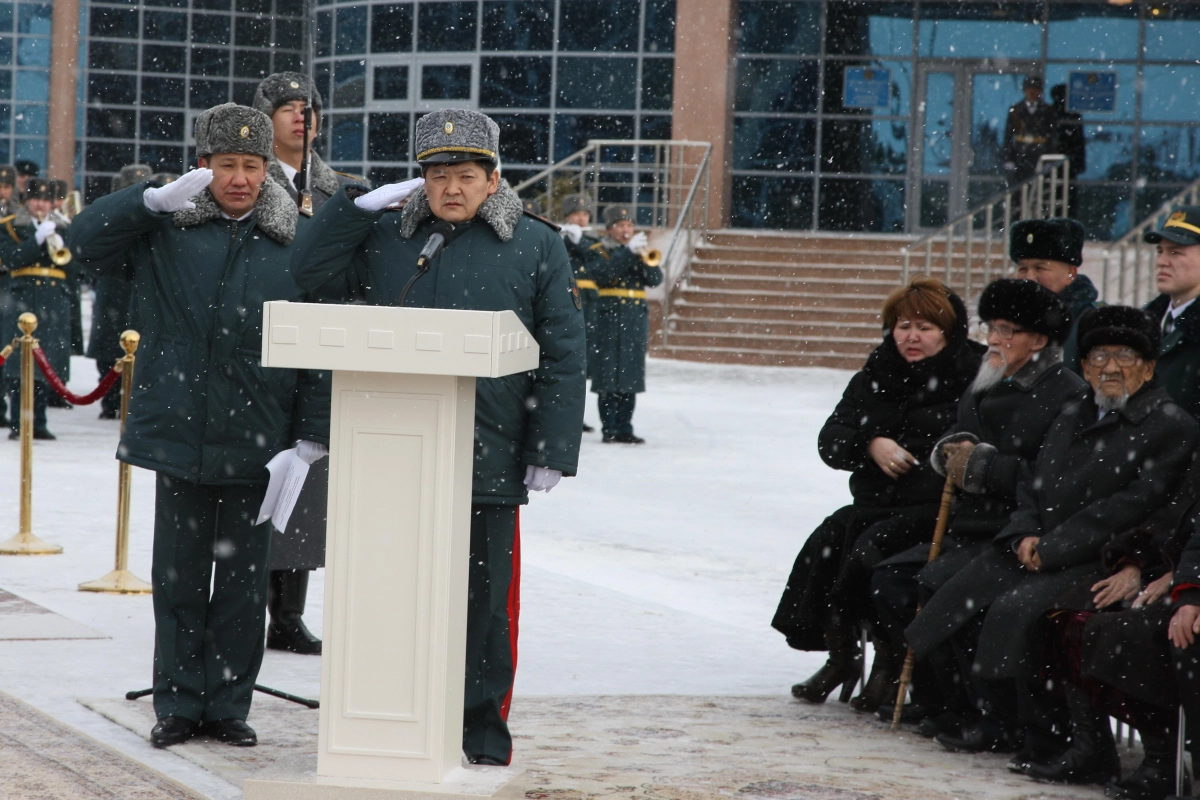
(401, 455)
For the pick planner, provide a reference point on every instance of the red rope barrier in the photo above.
(58, 386)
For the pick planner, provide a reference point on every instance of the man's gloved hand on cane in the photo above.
(177, 195)
(384, 196)
(541, 479)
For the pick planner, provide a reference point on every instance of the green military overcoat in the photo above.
(587, 290)
(622, 322)
(502, 260)
(203, 408)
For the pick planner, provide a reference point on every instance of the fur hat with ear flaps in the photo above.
(231, 128)
(1120, 325)
(1028, 305)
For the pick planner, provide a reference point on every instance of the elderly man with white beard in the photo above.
(1021, 387)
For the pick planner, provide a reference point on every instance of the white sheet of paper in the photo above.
(289, 492)
(278, 467)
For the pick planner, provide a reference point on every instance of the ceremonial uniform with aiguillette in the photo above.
(205, 415)
(525, 424)
(39, 284)
(578, 251)
(112, 308)
(622, 328)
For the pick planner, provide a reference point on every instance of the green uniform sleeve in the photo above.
(327, 259)
(16, 254)
(102, 233)
(559, 386)
(607, 267)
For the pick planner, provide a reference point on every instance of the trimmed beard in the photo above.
(1106, 403)
(988, 376)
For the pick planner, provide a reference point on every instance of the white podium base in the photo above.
(296, 779)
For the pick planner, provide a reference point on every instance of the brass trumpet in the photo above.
(652, 257)
(56, 248)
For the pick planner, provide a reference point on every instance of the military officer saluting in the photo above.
(204, 253)
(527, 426)
(283, 97)
(41, 282)
(622, 322)
(577, 218)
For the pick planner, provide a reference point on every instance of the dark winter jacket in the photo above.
(913, 404)
(1178, 366)
(622, 321)
(50, 297)
(578, 253)
(502, 260)
(1093, 480)
(1079, 297)
(203, 408)
(111, 315)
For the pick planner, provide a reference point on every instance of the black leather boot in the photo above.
(884, 683)
(1092, 756)
(1155, 776)
(842, 668)
(287, 591)
(1039, 746)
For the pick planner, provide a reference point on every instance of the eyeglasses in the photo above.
(1124, 357)
(1001, 329)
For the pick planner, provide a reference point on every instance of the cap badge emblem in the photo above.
(1029, 238)
(1178, 216)
(295, 85)
(244, 132)
(448, 128)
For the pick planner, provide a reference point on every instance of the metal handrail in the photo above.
(1042, 195)
(655, 187)
(1133, 283)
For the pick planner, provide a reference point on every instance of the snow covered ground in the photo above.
(656, 570)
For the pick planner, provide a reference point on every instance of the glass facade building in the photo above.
(24, 81)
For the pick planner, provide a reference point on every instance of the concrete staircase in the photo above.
(793, 300)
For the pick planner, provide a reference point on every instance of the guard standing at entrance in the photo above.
(527, 426)
(577, 216)
(204, 253)
(622, 329)
(1028, 133)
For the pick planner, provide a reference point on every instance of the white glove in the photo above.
(384, 196)
(571, 231)
(44, 229)
(177, 195)
(310, 452)
(540, 479)
(639, 242)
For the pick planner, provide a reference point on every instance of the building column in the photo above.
(705, 77)
(64, 84)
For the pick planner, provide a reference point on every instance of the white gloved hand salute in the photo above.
(384, 196)
(541, 479)
(177, 195)
(639, 242)
(571, 231)
(43, 231)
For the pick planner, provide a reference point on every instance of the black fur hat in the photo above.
(1057, 239)
(1027, 304)
(1120, 325)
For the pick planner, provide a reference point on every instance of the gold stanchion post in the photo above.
(25, 543)
(121, 580)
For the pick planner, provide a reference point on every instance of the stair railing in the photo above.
(664, 183)
(1040, 196)
(1130, 261)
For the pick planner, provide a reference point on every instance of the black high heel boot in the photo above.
(1092, 756)
(287, 590)
(843, 667)
(884, 683)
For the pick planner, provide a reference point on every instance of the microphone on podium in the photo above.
(433, 246)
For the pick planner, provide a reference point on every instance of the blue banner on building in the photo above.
(1092, 91)
(866, 87)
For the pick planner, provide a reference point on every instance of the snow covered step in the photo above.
(846, 282)
(759, 358)
(834, 345)
(811, 329)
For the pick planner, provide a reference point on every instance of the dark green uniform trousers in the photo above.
(616, 412)
(207, 648)
(493, 605)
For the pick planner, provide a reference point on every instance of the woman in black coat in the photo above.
(882, 431)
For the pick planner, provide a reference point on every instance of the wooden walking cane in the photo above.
(939, 533)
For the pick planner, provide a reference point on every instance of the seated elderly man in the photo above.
(1107, 463)
(1020, 388)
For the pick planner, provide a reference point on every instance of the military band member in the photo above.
(283, 97)
(527, 426)
(204, 253)
(8, 185)
(25, 170)
(577, 219)
(622, 322)
(37, 284)
(1028, 132)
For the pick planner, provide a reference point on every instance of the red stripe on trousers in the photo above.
(514, 610)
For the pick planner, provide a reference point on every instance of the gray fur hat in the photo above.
(576, 202)
(454, 135)
(614, 214)
(284, 87)
(129, 175)
(231, 128)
